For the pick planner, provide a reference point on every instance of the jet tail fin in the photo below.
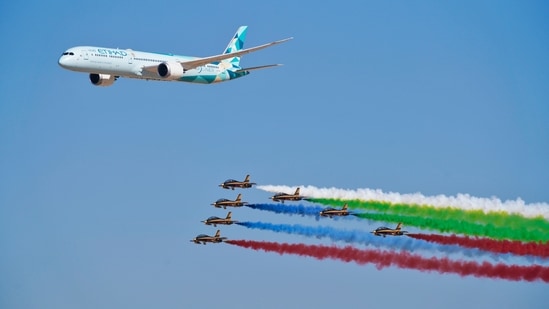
(218, 233)
(238, 197)
(229, 215)
(236, 44)
(296, 191)
(399, 226)
(247, 179)
(344, 207)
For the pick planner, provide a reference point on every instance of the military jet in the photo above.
(384, 231)
(203, 238)
(231, 183)
(223, 202)
(281, 197)
(216, 220)
(330, 212)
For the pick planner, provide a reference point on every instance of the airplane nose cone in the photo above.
(62, 61)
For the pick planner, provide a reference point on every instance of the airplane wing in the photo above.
(194, 63)
(191, 64)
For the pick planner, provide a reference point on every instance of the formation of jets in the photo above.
(330, 212)
(279, 197)
(384, 231)
(224, 203)
(106, 65)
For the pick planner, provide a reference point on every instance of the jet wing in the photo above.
(194, 63)
(191, 64)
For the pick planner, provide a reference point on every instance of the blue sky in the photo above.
(102, 188)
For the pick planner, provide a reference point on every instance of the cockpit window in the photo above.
(68, 53)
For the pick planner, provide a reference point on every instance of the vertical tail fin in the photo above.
(238, 197)
(399, 226)
(218, 233)
(344, 207)
(247, 179)
(229, 215)
(296, 191)
(236, 44)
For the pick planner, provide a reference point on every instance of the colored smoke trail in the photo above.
(366, 238)
(509, 221)
(288, 209)
(463, 201)
(505, 246)
(460, 227)
(403, 259)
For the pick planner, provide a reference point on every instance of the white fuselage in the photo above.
(137, 64)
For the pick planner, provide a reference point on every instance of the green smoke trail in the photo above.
(499, 219)
(460, 227)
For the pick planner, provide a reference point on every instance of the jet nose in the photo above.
(63, 61)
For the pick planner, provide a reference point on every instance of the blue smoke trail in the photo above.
(366, 238)
(289, 209)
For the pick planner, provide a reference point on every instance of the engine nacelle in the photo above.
(102, 79)
(170, 70)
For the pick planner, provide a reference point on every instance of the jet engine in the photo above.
(170, 70)
(102, 79)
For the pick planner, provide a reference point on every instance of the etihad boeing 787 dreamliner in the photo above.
(105, 65)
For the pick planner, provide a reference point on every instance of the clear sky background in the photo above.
(102, 188)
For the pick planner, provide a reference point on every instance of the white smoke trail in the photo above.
(461, 201)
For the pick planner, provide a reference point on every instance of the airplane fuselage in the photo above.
(334, 213)
(142, 65)
(215, 222)
(228, 204)
(242, 185)
(388, 232)
(286, 198)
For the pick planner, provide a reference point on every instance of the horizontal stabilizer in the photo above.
(258, 68)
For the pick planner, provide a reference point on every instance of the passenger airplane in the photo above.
(330, 212)
(281, 197)
(203, 238)
(216, 220)
(223, 202)
(231, 183)
(106, 65)
(384, 231)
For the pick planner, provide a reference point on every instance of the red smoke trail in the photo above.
(382, 259)
(487, 244)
